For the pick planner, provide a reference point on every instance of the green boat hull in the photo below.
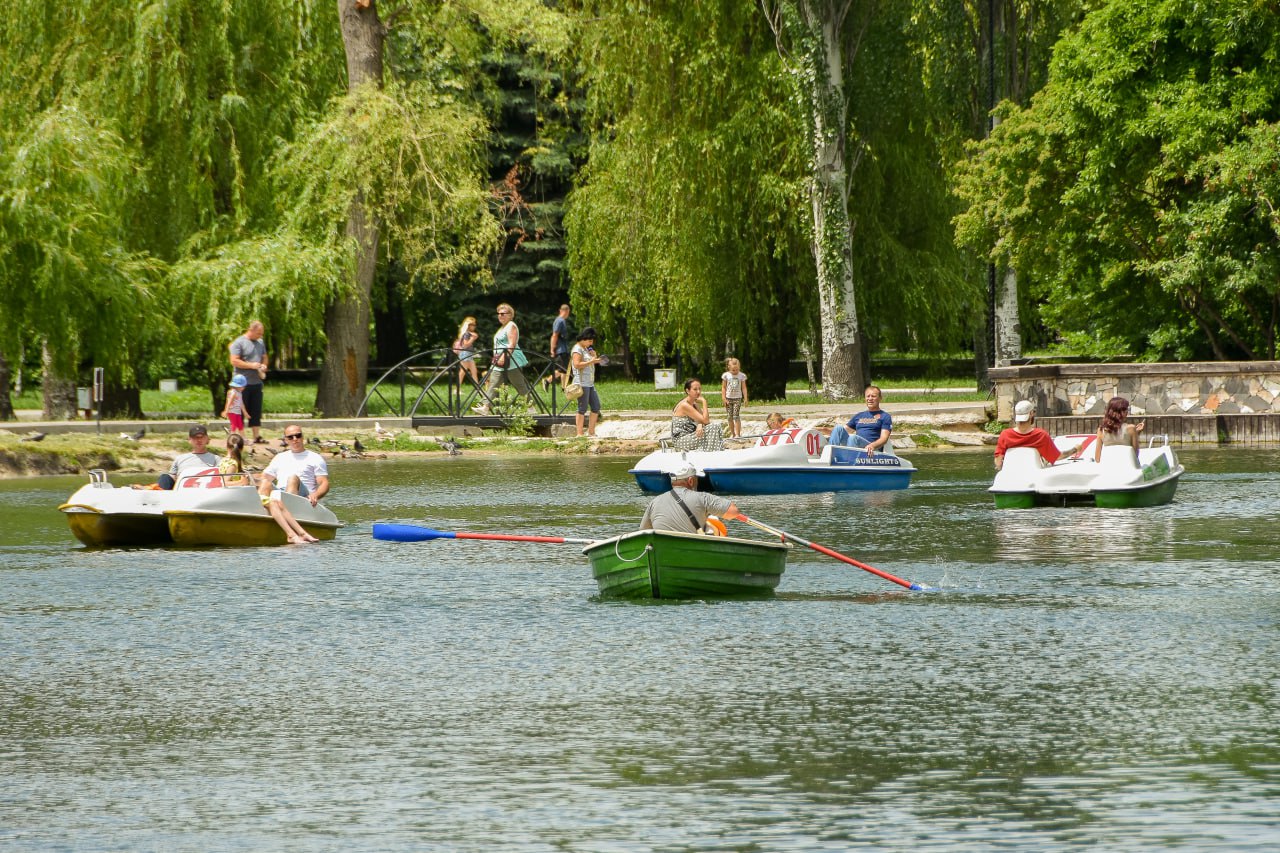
(660, 564)
(1152, 494)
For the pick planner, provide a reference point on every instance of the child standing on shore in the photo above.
(733, 393)
(233, 409)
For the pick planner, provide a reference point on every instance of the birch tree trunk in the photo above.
(811, 32)
(346, 322)
(1008, 327)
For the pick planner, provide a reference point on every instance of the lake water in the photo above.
(1086, 679)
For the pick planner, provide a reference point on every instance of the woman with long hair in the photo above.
(465, 348)
(1113, 429)
(691, 427)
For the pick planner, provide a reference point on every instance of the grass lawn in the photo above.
(298, 398)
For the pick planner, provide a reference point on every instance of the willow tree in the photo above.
(680, 229)
(197, 96)
(68, 281)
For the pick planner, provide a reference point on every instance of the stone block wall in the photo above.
(1193, 388)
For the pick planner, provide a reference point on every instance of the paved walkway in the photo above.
(631, 424)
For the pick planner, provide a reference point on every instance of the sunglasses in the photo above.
(293, 435)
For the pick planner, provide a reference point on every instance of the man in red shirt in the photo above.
(1024, 433)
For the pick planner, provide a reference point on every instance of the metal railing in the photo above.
(434, 383)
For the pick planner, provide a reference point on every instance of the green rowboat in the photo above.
(662, 564)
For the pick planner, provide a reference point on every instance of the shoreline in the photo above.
(635, 434)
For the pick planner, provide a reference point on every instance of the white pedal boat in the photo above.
(200, 510)
(1117, 480)
(783, 461)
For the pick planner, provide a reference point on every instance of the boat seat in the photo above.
(209, 478)
(1118, 456)
(779, 436)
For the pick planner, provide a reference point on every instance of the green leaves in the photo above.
(1138, 177)
(413, 158)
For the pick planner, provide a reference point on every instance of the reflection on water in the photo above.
(1083, 679)
(1088, 533)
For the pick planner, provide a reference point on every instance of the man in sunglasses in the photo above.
(296, 469)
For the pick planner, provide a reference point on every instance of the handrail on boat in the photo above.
(248, 476)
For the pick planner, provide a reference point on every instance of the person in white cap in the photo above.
(1025, 433)
(684, 509)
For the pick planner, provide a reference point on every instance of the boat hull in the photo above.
(650, 564)
(1117, 481)
(235, 516)
(790, 481)
(100, 529)
(796, 461)
(100, 514)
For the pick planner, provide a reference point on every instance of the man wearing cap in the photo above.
(684, 509)
(199, 459)
(1024, 433)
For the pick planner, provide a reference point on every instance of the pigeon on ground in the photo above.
(35, 436)
(136, 436)
(452, 446)
(357, 445)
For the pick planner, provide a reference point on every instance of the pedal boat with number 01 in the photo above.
(668, 565)
(780, 462)
(201, 510)
(1116, 481)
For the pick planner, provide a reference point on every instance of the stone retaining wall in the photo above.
(1204, 401)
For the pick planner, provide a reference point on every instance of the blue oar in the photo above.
(782, 534)
(418, 533)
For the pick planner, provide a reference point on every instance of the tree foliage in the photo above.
(683, 233)
(1144, 174)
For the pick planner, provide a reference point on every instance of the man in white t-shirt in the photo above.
(296, 469)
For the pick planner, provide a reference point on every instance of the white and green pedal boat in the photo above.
(1117, 480)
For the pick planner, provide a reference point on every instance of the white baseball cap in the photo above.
(684, 472)
(1023, 411)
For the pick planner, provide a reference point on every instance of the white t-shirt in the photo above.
(733, 384)
(306, 465)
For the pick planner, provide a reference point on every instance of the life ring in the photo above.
(209, 478)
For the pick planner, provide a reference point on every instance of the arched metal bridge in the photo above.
(432, 389)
